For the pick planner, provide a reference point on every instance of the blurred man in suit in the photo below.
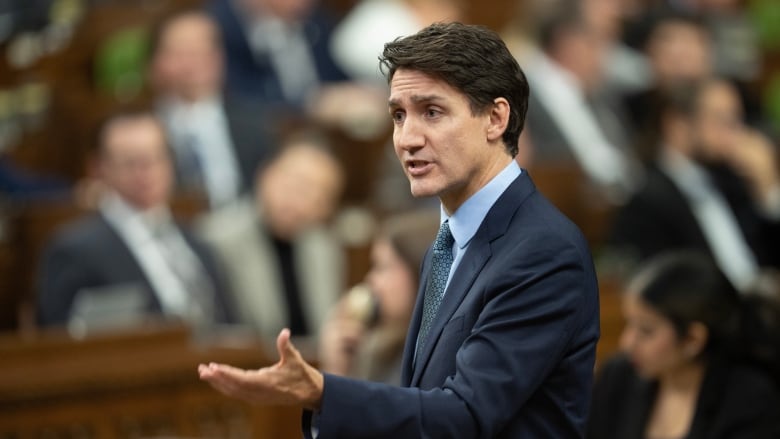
(714, 186)
(218, 140)
(571, 119)
(131, 252)
(502, 340)
(284, 265)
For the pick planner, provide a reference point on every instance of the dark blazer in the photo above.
(511, 351)
(735, 402)
(658, 218)
(90, 254)
(252, 75)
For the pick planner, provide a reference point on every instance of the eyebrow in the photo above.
(416, 99)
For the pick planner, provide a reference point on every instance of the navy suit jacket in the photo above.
(511, 351)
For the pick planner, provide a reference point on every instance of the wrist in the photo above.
(314, 400)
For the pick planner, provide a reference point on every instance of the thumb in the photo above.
(285, 346)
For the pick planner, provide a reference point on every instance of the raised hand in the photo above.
(291, 381)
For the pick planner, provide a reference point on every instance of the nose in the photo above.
(408, 136)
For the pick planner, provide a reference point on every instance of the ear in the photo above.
(695, 340)
(499, 119)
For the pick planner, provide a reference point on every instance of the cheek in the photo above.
(657, 355)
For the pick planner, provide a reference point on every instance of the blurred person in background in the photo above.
(686, 370)
(364, 335)
(679, 49)
(285, 267)
(131, 252)
(277, 51)
(569, 119)
(218, 140)
(359, 38)
(713, 185)
(735, 39)
(625, 69)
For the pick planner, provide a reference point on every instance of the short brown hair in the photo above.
(472, 59)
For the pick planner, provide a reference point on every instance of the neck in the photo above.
(452, 201)
(686, 378)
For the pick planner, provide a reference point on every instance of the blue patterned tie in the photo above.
(437, 281)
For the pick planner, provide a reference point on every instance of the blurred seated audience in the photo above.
(679, 48)
(569, 119)
(277, 51)
(218, 140)
(686, 370)
(625, 68)
(130, 259)
(365, 332)
(714, 186)
(731, 42)
(284, 265)
(735, 39)
(359, 38)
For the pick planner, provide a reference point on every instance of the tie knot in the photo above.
(444, 239)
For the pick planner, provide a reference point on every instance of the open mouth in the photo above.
(418, 167)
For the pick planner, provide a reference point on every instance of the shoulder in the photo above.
(616, 372)
(657, 188)
(748, 385)
(228, 224)
(536, 227)
(740, 399)
(618, 388)
(89, 231)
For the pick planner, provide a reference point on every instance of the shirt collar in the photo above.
(469, 216)
(122, 214)
(687, 175)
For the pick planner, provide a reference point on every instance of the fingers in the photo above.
(285, 347)
(230, 381)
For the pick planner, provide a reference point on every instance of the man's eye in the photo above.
(398, 116)
(431, 112)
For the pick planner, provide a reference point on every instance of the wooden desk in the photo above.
(127, 385)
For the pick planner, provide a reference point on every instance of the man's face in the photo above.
(135, 162)
(299, 190)
(188, 63)
(444, 149)
(679, 52)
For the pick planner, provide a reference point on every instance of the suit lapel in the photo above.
(414, 325)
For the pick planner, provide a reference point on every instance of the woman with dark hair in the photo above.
(365, 333)
(687, 368)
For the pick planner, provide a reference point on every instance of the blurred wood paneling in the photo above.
(128, 385)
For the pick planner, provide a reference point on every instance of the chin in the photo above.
(420, 190)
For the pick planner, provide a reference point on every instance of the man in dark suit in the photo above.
(502, 340)
(131, 253)
(218, 140)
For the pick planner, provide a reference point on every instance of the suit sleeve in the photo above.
(62, 273)
(529, 312)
